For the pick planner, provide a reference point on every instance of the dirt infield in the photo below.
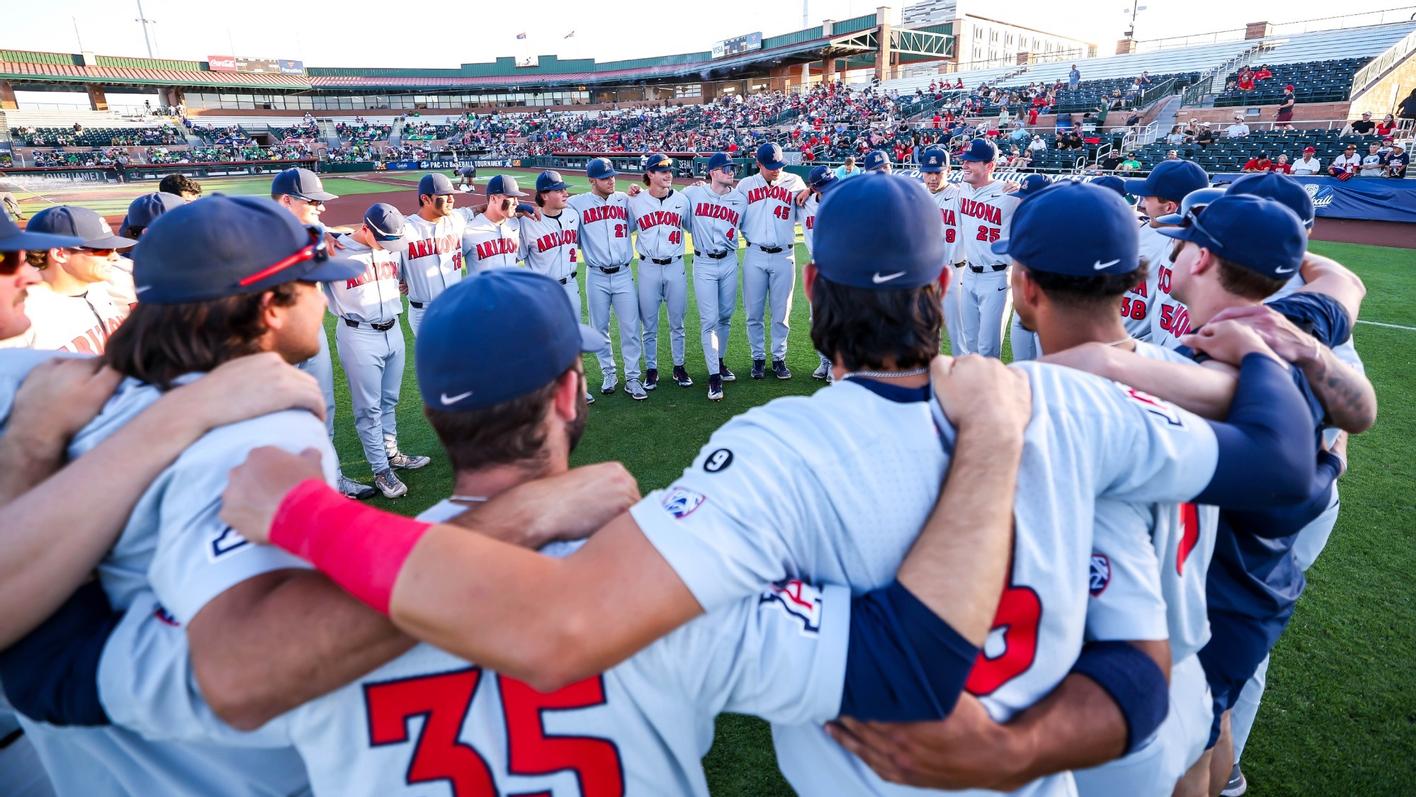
(1373, 233)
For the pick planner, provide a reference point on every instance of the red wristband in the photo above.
(360, 548)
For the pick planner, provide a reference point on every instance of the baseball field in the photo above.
(1339, 717)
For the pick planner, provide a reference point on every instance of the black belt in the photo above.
(660, 261)
(412, 303)
(714, 255)
(771, 250)
(611, 270)
(981, 269)
(384, 327)
(573, 275)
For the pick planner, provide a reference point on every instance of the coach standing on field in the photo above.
(769, 267)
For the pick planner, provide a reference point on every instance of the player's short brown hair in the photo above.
(509, 433)
(1102, 289)
(160, 342)
(1247, 283)
(871, 329)
(179, 184)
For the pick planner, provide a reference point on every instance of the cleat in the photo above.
(651, 378)
(353, 489)
(589, 399)
(1237, 785)
(715, 387)
(823, 371)
(779, 367)
(723, 371)
(635, 390)
(389, 485)
(404, 461)
(759, 369)
(681, 376)
(610, 384)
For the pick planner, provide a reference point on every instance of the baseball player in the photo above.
(70, 309)
(142, 212)
(492, 238)
(820, 179)
(1024, 340)
(877, 160)
(550, 242)
(301, 192)
(717, 213)
(769, 267)
(1151, 312)
(467, 178)
(433, 262)
(370, 342)
(934, 170)
(605, 246)
(18, 276)
(730, 524)
(660, 215)
(985, 211)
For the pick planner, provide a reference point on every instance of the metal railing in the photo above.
(1359, 20)
(1196, 93)
(1374, 71)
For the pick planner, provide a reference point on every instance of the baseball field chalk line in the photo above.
(1388, 326)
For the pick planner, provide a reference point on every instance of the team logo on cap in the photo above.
(801, 601)
(681, 502)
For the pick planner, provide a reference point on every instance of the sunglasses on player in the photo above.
(317, 250)
(10, 262)
(84, 250)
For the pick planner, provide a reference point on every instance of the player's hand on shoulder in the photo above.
(1281, 335)
(633, 189)
(243, 388)
(60, 397)
(981, 393)
(801, 197)
(256, 487)
(1229, 342)
(569, 506)
(966, 750)
(1011, 187)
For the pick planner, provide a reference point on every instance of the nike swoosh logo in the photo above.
(879, 278)
(1288, 270)
(142, 288)
(1098, 265)
(448, 400)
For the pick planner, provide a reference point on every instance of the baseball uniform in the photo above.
(715, 221)
(433, 261)
(321, 367)
(371, 346)
(807, 213)
(605, 247)
(79, 323)
(947, 198)
(174, 545)
(489, 244)
(985, 214)
(660, 224)
(120, 285)
(550, 247)
(1169, 317)
(1138, 302)
(769, 266)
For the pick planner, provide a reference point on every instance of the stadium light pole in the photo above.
(805, 23)
(144, 21)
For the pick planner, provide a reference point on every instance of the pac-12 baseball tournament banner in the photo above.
(1365, 198)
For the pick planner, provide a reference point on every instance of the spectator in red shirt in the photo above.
(1246, 79)
(1385, 126)
(1259, 163)
(1263, 73)
(1282, 166)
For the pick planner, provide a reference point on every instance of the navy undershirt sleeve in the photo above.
(1291, 518)
(1135, 683)
(904, 663)
(51, 675)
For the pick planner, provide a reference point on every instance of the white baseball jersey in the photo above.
(947, 198)
(771, 215)
(985, 216)
(838, 484)
(1139, 304)
(604, 228)
(120, 285)
(433, 262)
(660, 223)
(487, 244)
(80, 324)
(1170, 318)
(550, 245)
(175, 546)
(372, 296)
(641, 728)
(716, 218)
(808, 222)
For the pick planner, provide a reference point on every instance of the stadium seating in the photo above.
(1312, 81)
(1230, 154)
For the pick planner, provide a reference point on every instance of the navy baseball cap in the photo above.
(770, 155)
(1112, 182)
(1169, 180)
(301, 184)
(82, 223)
(504, 185)
(144, 210)
(979, 150)
(1282, 189)
(879, 231)
(820, 178)
(435, 185)
(14, 239)
(600, 168)
(224, 246)
(1032, 184)
(550, 181)
(1257, 233)
(528, 331)
(721, 160)
(933, 160)
(876, 160)
(385, 221)
(658, 162)
(1073, 228)
(1196, 201)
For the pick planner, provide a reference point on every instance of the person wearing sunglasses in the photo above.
(17, 276)
(70, 308)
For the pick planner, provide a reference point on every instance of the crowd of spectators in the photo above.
(97, 157)
(361, 130)
(79, 136)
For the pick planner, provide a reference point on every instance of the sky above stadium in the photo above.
(445, 34)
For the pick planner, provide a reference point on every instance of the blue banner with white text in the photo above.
(1365, 198)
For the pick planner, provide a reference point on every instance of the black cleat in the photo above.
(715, 387)
(779, 367)
(759, 369)
(681, 376)
(725, 373)
(651, 378)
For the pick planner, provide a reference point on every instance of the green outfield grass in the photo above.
(1338, 717)
(33, 202)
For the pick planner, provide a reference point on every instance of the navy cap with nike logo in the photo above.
(1073, 228)
(527, 331)
(879, 231)
(301, 184)
(1256, 233)
(1282, 189)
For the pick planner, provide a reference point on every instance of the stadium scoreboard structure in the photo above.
(737, 44)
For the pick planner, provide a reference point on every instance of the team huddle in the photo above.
(1147, 481)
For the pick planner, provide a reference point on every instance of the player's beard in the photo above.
(576, 428)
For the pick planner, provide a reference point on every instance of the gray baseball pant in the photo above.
(373, 363)
(322, 369)
(1026, 345)
(658, 285)
(984, 306)
(768, 277)
(715, 290)
(952, 311)
(615, 291)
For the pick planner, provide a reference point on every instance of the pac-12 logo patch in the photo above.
(1100, 574)
(1157, 407)
(718, 460)
(800, 600)
(681, 502)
